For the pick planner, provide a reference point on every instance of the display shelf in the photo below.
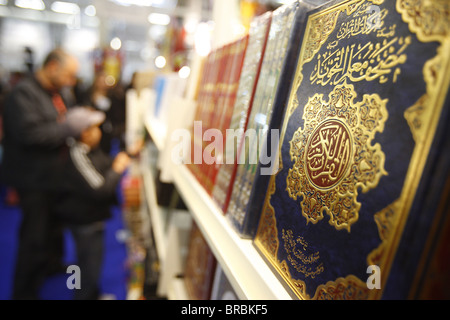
(158, 214)
(176, 250)
(170, 227)
(134, 294)
(177, 290)
(178, 234)
(157, 130)
(248, 273)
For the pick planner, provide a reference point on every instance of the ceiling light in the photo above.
(65, 7)
(160, 62)
(30, 4)
(202, 39)
(184, 72)
(140, 3)
(115, 43)
(190, 25)
(90, 11)
(159, 18)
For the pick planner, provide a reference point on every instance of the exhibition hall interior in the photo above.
(224, 150)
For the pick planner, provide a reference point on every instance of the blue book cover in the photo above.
(358, 208)
(159, 85)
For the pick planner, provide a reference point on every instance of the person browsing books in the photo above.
(91, 178)
(37, 120)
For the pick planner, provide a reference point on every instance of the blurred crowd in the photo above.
(61, 160)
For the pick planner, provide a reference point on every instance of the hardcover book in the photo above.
(277, 71)
(237, 51)
(225, 172)
(200, 266)
(206, 91)
(358, 208)
(214, 107)
(225, 104)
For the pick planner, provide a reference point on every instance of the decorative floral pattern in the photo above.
(333, 155)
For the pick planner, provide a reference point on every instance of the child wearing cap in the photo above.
(89, 190)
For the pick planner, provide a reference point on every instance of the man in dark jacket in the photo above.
(89, 189)
(36, 125)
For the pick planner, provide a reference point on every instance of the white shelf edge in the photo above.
(247, 271)
(157, 131)
(156, 212)
(134, 294)
(177, 290)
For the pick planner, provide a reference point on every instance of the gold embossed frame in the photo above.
(362, 116)
(334, 156)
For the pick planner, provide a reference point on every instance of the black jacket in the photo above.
(34, 140)
(89, 187)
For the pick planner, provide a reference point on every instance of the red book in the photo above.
(223, 117)
(202, 94)
(214, 109)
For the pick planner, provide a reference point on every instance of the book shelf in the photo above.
(157, 130)
(170, 227)
(158, 213)
(250, 276)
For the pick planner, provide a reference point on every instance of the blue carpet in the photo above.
(114, 274)
(10, 220)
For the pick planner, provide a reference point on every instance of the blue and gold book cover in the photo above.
(358, 208)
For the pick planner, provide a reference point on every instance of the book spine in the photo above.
(277, 114)
(242, 183)
(210, 101)
(224, 81)
(238, 54)
(260, 118)
(200, 105)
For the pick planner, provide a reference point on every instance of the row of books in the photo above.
(236, 96)
(349, 101)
